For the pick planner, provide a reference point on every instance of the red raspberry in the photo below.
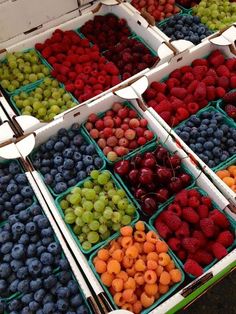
(230, 97)
(178, 92)
(200, 71)
(159, 87)
(70, 87)
(211, 95)
(216, 58)
(200, 62)
(230, 63)
(172, 220)
(203, 257)
(218, 250)
(203, 211)
(183, 231)
(225, 238)
(222, 70)
(201, 238)
(231, 111)
(223, 82)
(163, 229)
(200, 92)
(150, 93)
(190, 215)
(207, 227)
(187, 78)
(233, 81)
(206, 201)
(176, 74)
(193, 268)
(166, 116)
(192, 86)
(176, 209)
(182, 198)
(164, 105)
(190, 244)
(182, 114)
(209, 80)
(220, 92)
(174, 244)
(39, 46)
(194, 193)
(182, 255)
(219, 219)
(172, 82)
(193, 202)
(192, 107)
(160, 97)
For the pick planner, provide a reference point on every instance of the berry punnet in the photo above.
(189, 225)
(228, 176)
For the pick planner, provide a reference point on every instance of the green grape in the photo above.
(130, 210)
(70, 218)
(87, 217)
(115, 199)
(66, 97)
(86, 245)
(46, 71)
(105, 235)
(121, 193)
(99, 206)
(82, 237)
(87, 205)
(93, 237)
(122, 204)
(42, 112)
(108, 212)
(94, 225)
(108, 186)
(125, 220)
(97, 215)
(116, 226)
(103, 179)
(104, 199)
(116, 217)
(102, 229)
(102, 220)
(55, 109)
(79, 221)
(94, 174)
(111, 193)
(75, 198)
(76, 190)
(77, 229)
(97, 189)
(88, 184)
(78, 211)
(90, 194)
(69, 210)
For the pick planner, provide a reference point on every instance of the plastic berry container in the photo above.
(54, 194)
(150, 148)
(163, 297)
(131, 153)
(99, 244)
(42, 61)
(214, 206)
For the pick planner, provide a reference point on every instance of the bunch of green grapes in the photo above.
(20, 69)
(45, 101)
(216, 14)
(97, 209)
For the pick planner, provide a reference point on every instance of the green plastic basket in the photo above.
(96, 246)
(149, 148)
(43, 61)
(220, 106)
(162, 298)
(132, 153)
(85, 136)
(232, 227)
(29, 88)
(226, 120)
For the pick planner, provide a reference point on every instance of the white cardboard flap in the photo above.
(19, 16)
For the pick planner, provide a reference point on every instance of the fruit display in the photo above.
(137, 268)
(20, 69)
(15, 194)
(78, 65)
(192, 87)
(130, 56)
(216, 15)
(185, 27)
(65, 159)
(210, 135)
(227, 175)
(153, 177)
(45, 101)
(33, 271)
(118, 132)
(188, 3)
(159, 9)
(106, 31)
(228, 104)
(96, 209)
(190, 224)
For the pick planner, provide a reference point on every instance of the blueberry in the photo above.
(68, 174)
(43, 223)
(39, 295)
(47, 240)
(14, 305)
(59, 177)
(59, 146)
(53, 172)
(219, 134)
(27, 191)
(5, 236)
(31, 228)
(81, 175)
(68, 153)
(65, 140)
(216, 142)
(79, 165)
(35, 209)
(201, 140)
(83, 148)
(63, 292)
(73, 182)
(98, 162)
(192, 146)
(18, 228)
(224, 157)
(24, 286)
(62, 305)
(208, 145)
(6, 247)
(5, 270)
(89, 169)
(14, 167)
(31, 250)
(211, 163)
(58, 160)
(64, 277)
(12, 189)
(184, 136)
(64, 264)
(48, 178)
(47, 258)
(13, 286)
(36, 284)
(46, 271)
(7, 258)
(217, 151)
(68, 164)
(34, 306)
(78, 140)
(24, 239)
(50, 282)
(77, 156)
(35, 267)
(47, 232)
(77, 300)
(60, 187)
(54, 248)
(3, 286)
(82, 309)
(18, 251)
(16, 265)
(49, 308)
(22, 272)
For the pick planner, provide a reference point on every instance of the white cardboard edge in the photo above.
(4, 103)
(6, 132)
(57, 231)
(9, 151)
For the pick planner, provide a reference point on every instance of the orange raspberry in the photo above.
(139, 246)
(126, 231)
(128, 294)
(103, 254)
(161, 247)
(100, 266)
(107, 279)
(118, 255)
(133, 299)
(112, 291)
(126, 242)
(170, 266)
(122, 275)
(139, 236)
(132, 252)
(164, 259)
(163, 288)
(118, 299)
(152, 256)
(159, 270)
(117, 284)
(150, 276)
(148, 247)
(137, 307)
(151, 289)
(131, 271)
(140, 265)
(113, 267)
(143, 257)
(128, 307)
(140, 226)
(127, 262)
(113, 246)
(164, 278)
(152, 265)
(130, 284)
(152, 237)
(146, 300)
(175, 275)
(138, 277)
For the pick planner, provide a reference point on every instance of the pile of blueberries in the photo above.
(66, 159)
(33, 267)
(15, 192)
(209, 137)
(186, 27)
